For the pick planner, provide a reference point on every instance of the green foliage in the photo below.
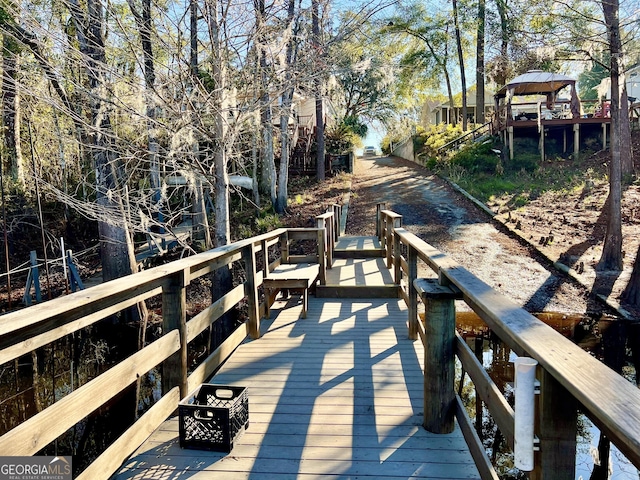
(427, 142)
(356, 126)
(339, 139)
(589, 79)
(477, 157)
(267, 222)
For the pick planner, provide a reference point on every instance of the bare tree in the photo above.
(611, 258)
(317, 87)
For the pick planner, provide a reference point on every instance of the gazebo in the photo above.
(543, 109)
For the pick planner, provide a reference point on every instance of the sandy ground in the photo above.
(438, 214)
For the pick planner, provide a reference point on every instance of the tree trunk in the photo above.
(287, 99)
(317, 86)
(463, 77)
(222, 278)
(611, 258)
(116, 246)
(480, 63)
(11, 111)
(501, 78)
(143, 21)
(266, 114)
(626, 147)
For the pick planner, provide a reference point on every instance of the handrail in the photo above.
(26, 330)
(446, 146)
(569, 376)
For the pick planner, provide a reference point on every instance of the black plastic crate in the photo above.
(213, 417)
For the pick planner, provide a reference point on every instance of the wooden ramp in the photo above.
(338, 395)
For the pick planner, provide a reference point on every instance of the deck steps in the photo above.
(358, 247)
(358, 271)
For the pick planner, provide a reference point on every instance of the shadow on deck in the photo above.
(337, 395)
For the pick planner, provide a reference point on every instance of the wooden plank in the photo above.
(357, 291)
(30, 343)
(487, 390)
(34, 434)
(303, 259)
(354, 254)
(213, 312)
(213, 265)
(114, 456)
(486, 470)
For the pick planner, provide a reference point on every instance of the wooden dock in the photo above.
(337, 395)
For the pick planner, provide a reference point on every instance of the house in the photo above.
(435, 112)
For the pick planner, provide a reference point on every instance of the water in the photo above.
(600, 336)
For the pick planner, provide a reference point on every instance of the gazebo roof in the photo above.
(536, 82)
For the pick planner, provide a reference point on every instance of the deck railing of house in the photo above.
(27, 330)
(570, 378)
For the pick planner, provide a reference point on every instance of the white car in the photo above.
(369, 150)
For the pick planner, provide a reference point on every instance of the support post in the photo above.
(604, 136)
(35, 274)
(541, 144)
(397, 259)
(510, 134)
(322, 259)
(284, 247)
(379, 208)
(412, 261)
(557, 429)
(439, 356)
(576, 140)
(174, 317)
(337, 212)
(251, 291)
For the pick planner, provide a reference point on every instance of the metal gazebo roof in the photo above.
(536, 82)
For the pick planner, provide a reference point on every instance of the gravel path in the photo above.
(448, 221)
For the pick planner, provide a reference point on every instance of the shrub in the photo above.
(477, 157)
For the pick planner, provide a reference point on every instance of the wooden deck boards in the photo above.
(369, 271)
(338, 395)
(358, 243)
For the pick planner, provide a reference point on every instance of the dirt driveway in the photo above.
(435, 212)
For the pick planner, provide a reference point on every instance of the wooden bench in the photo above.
(295, 276)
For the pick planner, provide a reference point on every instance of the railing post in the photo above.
(337, 220)
(557, 430)
(412, 275)
(397, 259)
(174, 317)
(321, 257)
(284, 247)
(379, 219)
(265, 256)
(396, 222)
(439, 354)
(251, 291)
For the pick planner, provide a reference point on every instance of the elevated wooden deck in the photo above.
(338, 395)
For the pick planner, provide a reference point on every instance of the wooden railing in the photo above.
(570, 378)
(483, 129)
(27, 330)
